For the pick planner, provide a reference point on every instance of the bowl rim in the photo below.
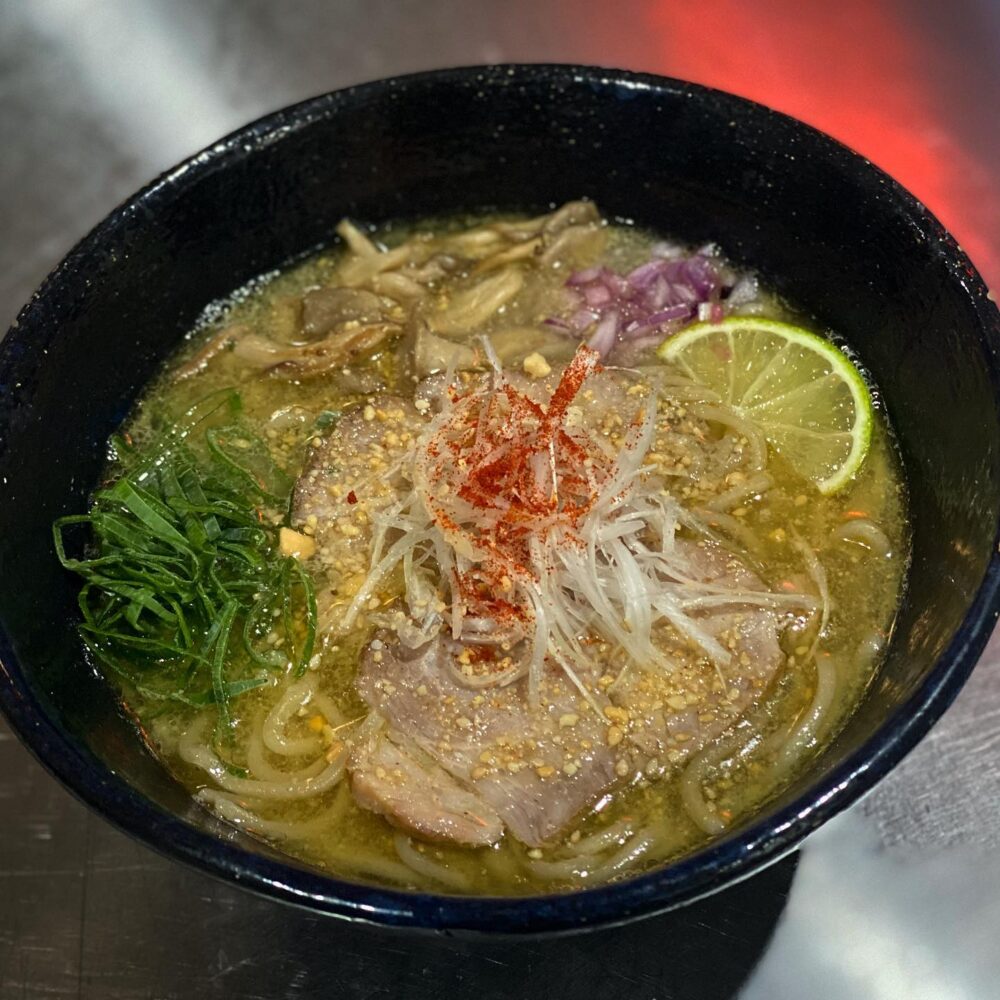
(719, 863)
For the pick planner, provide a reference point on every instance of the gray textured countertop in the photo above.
(899, 898)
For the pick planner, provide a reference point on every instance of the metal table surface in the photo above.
(898, 898)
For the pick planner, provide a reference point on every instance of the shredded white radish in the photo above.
(516, 526)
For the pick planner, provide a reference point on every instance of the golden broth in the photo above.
(736, 773)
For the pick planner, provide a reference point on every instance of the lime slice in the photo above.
(805, 395)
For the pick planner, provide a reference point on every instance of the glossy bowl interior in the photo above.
(819, 223)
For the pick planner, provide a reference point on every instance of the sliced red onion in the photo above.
(667, 290)
(584, 277)
(645, 274)
(582, 318)
(687, 295)
(679, 311)
(605, 335)
(597, 295)
(703, 276)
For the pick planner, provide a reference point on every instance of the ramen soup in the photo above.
(495, 555)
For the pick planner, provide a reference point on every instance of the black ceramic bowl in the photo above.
(820, 223)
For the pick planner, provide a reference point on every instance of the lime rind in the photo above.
(802, 390)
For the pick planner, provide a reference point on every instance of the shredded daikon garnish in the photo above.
(518, 525)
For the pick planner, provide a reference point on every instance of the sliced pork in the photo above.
(538, 770)
(403, 784)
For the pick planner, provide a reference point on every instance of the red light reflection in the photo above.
(860, 70)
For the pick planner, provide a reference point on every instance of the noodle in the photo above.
(739, 744)
(871, 648)
(260, 767)
(692, 795)
(807, 732)
(866, 533)
(296, 696)
(777, 602)
(378, 867)
(615, 834)
(229, 809)
(557, 871)
(586, 864)
(631, 852)
(815, 569)
(756, 442)
(759, 482)
(193, 751)
(480, 682)
(423, 865)
(537, 588)
(738, 531)
(674, 386)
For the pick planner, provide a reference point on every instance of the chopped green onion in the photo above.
(182, 570)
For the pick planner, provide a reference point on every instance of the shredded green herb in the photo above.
(186, 595)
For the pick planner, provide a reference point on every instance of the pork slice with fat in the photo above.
(537, 768)
(392, 777)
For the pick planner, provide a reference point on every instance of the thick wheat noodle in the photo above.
(327, 818)
(809, 728)
(866, 533)
(720, 414)
(758, 482)
(226, 806)
(789, 744)
(589, 866)
(296, 696)
(586, 861)
(564, 869)
(745, 738)
(260, 767)
(423, 865)
(194, 751)
(624, 858)
(604, 839)
(384, 869)
(817, 572)
(733, 527)
(692, 793)
(501, 864)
